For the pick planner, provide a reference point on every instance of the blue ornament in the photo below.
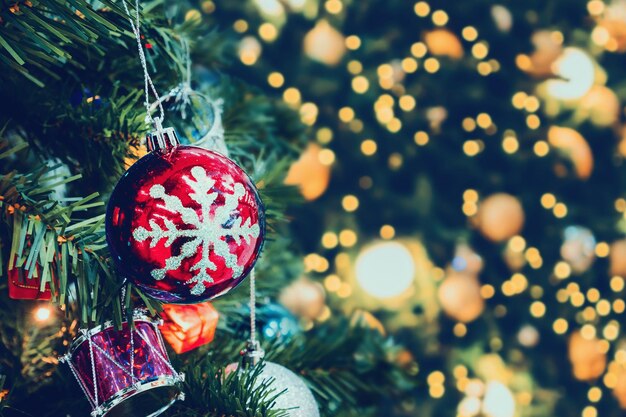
(276, 322)
(459, 263)
(578, 248)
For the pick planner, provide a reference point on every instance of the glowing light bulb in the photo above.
(576, 69)
(498, 401)
(270, 7)
(43, 314)
(385, 269)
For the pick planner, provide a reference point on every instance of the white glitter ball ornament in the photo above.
(297, 398)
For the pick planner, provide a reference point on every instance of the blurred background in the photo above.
(465, 188)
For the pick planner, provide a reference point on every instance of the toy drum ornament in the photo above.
(125, 373)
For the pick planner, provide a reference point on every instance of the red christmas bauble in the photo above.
(185, 224)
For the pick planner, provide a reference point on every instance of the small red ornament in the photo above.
(25, 287)
(124, 373)
(186, 327)
(184, 223)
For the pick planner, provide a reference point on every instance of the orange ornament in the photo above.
(304, 298)
(325, 44)
(186, 327)
(587, 357)
(573, 145)
(616, 29)
(443, 42)
(500, 217)
(309, 174)
(547, 50)
(460, 298)
(601, 105)
(617, 258)
(619, 390)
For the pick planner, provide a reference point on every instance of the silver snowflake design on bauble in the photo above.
(208, 231)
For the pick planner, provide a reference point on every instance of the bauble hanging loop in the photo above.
(162, 139)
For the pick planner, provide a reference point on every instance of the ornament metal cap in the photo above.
(252, 354)
(161, 139)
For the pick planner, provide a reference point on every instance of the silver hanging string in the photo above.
(253, 353)
(148, 84)
(184, 91)
(252, 307)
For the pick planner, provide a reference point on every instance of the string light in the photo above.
(483, 120)
(560, 326)
(595, 7)
(324, 135)
(368, 147)
(240, 26)
(469, 33)
(292, 96)
(249, 50)
(459, 330)
(484, 68)
(387, 232)
(395, 161)
(471, 147)
(418, 49)
(533, 121)
(353, 42)
(360, 84)
(510, 144)
(560, 210)
(421, 8)
(541, 148)
(440, 18)
(346, 114)
(330, 240)
(590, 411)
(407, 103)
(431, 65)
(276, 79)
(617, 284)
(43, 314)
(421, 138)
(308, 114)
(326, 157)
(602, 249)
(480, 50)
(519, 100)
(355, 67)
(350, 203)
(332, 283)
(347, 238)
(268, 32)
(548, 200)
(409, 65)
(334, 6)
